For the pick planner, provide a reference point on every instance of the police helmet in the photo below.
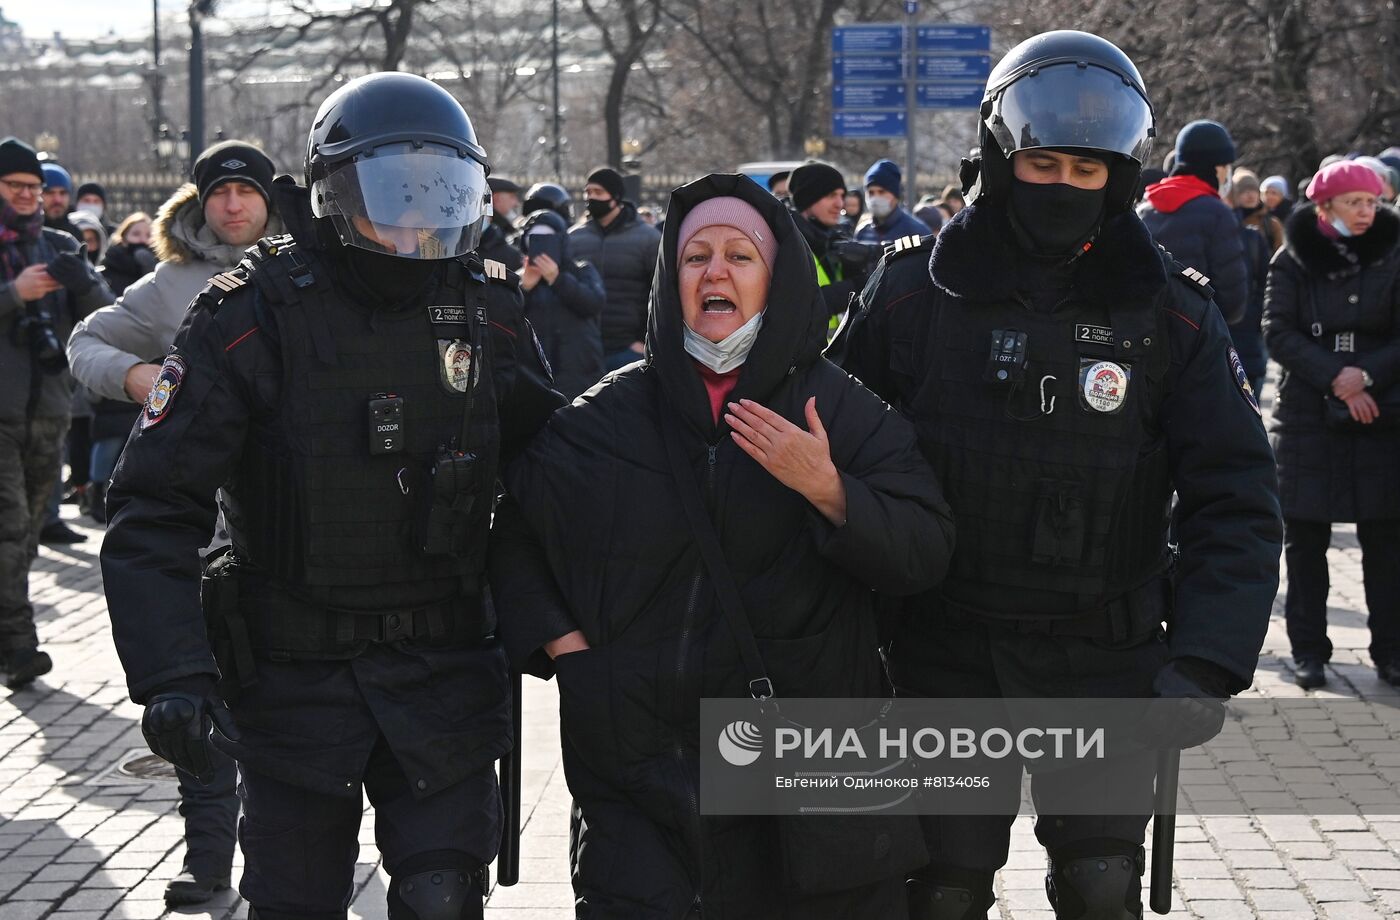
(393, 164)
(1070, 90)
(546, 196)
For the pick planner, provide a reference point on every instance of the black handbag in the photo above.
(821, 853)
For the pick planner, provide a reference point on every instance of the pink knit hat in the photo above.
(1340, 178)
(728, 211)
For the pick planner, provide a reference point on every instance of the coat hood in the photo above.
(1170, 194)
(179, 233)
(1323, 256)
(794, 323)
(975, 258)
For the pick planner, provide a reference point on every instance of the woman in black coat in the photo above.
(1332, 320)
(564, 299)
(818, 494)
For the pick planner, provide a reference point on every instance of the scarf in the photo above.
(16, 230)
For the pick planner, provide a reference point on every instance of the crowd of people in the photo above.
(685, 410)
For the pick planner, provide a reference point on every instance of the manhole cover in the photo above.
(148, 766)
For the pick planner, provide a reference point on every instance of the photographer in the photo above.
(45, 287)
(818, 194)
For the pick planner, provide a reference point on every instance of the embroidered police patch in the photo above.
(162, 395)
(1103, 384)
(456, 364)
(1242, 379)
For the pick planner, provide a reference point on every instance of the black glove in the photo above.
(71, 270)
(1191, 705)
(177, 724)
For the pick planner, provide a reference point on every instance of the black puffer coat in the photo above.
(596, 540)
(565, 314)
(624, 252)
(1328, 474)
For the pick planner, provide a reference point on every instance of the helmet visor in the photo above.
(1068, 105)
(409, 201)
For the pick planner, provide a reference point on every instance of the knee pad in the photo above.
(1107, 887)
(950, 893)
(453, 893)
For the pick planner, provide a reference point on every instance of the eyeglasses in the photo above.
(17, 188)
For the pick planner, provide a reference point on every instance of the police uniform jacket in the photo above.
(1060, 483)
(264, 394)
(1330, 305)
(596, 540)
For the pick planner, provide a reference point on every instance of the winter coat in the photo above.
(565, 315)
(1263, 220)
(595, 539)
(624, 253)
(124, 265)
(1186, 215)
(899, 223)
(51, 394)
(839, 282)
(1248, 333)
(139, 328)
(1346, 286)
(496, 244)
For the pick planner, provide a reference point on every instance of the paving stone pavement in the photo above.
(78, 840)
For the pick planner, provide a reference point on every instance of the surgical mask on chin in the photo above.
(726, 354)
(880, 206)
(1341, 226)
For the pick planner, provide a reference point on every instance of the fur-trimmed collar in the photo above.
(975, 258)
(179, 233)
(1323, 256)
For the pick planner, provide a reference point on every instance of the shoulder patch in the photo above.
(1237, 370)
(229, 281)
(907, 244)
(162, 395)
(496, 271)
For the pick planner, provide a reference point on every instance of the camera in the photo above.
(45, 348)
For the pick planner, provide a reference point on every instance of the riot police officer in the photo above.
(1066, 376)
(351, 388)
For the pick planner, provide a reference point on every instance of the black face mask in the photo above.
(598, 208)
(1055, 220)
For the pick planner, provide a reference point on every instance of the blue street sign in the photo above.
(949, 95)
(954, 38)
(867, 124)
(868, 95)
(975, 66)
(867, 67)
(867, 39)
(911, 7)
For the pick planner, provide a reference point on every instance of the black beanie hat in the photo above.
(232, 161)
(610, 179)
(18, 157)
(1204, 144)
(92, 188)
(813, 181)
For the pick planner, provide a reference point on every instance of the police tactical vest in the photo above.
(314, 505)
(1059, 480)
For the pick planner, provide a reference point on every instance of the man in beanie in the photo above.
(58, 195)
(623, 248)
(1185, 214)
(817, 194)
(92, 197)
(201, 231)
(1277, 199)
(45, 285)
(1261, 234)
(886, 220)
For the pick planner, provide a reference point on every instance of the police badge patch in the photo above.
(1103, 384)
(162, 395)
(456, 364)
(1242, 379)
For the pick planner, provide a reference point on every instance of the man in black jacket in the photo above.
(45, 287)
(350, 389)
(1065, 377)
(817, 193)
(623, 248)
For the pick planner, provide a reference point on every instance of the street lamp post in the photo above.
(198, 10)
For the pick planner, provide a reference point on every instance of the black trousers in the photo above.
(299, 846)
(211, 819)
(967, 658)
(1305, 546)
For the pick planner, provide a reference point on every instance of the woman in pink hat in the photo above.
(1332, 320)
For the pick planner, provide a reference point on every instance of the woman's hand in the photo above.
(566, 644)
(1348, 382)
(1363, 408)
(800, 460)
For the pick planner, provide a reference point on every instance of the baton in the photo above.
(1164, 829)
(508, 860)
